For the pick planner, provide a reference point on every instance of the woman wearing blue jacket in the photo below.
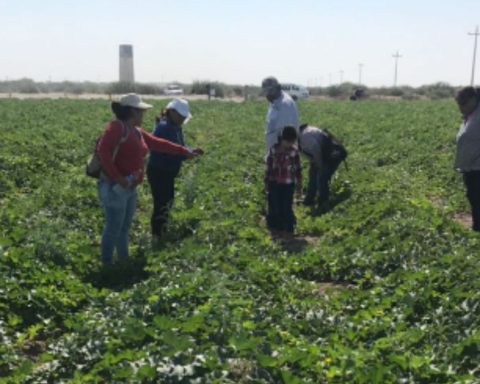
(162, 169)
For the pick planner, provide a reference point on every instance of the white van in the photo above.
(296, 91)
(173, 90)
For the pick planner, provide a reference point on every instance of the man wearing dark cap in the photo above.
(281, 113)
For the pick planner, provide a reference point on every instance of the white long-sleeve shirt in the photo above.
(281, 113)
(468, 143)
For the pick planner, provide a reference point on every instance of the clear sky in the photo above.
(239, 42)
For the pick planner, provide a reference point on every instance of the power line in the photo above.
(396, 56)
(476, 34)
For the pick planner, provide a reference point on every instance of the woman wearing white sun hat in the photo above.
(122, 149)
(163, 168)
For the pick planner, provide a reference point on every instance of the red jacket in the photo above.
(131, 153)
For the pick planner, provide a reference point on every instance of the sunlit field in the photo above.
(382, 288)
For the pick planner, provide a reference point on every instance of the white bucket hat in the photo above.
(181, 106)
(134, 101)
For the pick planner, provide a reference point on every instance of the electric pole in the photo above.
(341, 76)
(360, 66)
(396, 56)
(476, 34)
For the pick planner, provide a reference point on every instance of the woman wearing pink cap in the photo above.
(163, 168)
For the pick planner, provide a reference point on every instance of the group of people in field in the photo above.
(285, 139)
(124, 145)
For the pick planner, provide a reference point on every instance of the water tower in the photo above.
(126, 64)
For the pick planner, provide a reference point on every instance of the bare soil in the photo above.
(463, 218)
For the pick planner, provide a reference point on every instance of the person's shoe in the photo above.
(308, 202)
(323, 207)
(155, 240)
(274, 233)
(288, 235)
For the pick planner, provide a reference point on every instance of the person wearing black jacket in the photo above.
(162, 169)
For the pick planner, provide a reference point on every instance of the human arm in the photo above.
(165, 146)
(298, 174)
(268, 171)
(468, 144)
(271, 131)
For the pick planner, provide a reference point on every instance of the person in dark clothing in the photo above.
(325, 154)
(283, 175)
(467, 159)
(162, 169)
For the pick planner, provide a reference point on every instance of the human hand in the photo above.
(190, 155)
(198, 151)
(123, 181)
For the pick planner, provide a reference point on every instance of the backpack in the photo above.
(333, 150)
(93, 167)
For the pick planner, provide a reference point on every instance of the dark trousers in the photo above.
(280, 214)
(472, 182)
(162, 185)
(319, 181)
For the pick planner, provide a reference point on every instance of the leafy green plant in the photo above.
(384, 290)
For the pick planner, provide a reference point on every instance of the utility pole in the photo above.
(341, 76)
(476, 34)
(396, 56)
(360, 66)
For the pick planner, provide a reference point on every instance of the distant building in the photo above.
(126, 64)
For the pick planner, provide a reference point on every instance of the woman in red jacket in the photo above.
(122, 149)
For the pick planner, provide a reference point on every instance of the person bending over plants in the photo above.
(283, 175)
(325, 153)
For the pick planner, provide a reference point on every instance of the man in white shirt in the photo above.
(281, 113)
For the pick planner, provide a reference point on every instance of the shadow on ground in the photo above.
(121, 275)
(295, 244)
(335, 199)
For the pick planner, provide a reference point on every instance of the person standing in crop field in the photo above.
(163, 168)
(282, 111)
(325, 154)
(122, 149)
(283, 175)
(467, 159)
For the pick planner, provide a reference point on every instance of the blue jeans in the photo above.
(319, 181)
(119, 205)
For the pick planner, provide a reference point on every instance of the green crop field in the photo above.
(384, 288)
